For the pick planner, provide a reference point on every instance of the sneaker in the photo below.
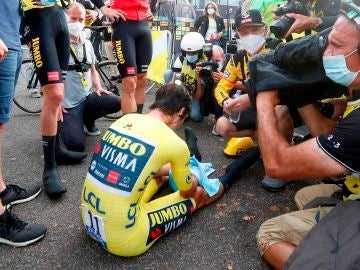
(214, 131)
(18, 233)
(93, 131)
(18, 195)
(272, 184)
(35, 94)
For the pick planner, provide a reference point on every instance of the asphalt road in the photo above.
(219, 236)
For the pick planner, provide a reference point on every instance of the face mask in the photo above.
(192, 58)
(252, 43)
(211, 11)
(337, 71)
(75, 28)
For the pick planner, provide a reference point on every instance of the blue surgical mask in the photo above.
(337, 70)
(192, 58)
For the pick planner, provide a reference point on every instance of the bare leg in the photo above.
(278, 254)
(2, 183)
(128, 102)
(53, 96)
(140, 88)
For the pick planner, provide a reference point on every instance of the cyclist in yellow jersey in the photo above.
(49, 46)
(128, 167)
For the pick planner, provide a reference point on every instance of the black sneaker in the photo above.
(18, 233)
(92, 131)
(18, 195)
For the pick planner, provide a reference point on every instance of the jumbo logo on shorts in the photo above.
(119, 52)
(36, 55)
(167, 219)
(119, 160)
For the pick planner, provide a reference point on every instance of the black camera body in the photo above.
(80, 67)
(207, 66)
(182, 80)
(280, 27)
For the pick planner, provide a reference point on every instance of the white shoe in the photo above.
(214, 131)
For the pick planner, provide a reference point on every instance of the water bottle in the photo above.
(235, 116)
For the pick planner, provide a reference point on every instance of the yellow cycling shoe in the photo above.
(238, 146)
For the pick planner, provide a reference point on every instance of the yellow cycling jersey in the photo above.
(130, 153)
(31, 4)
(232, 74)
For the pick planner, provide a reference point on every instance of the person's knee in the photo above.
(129, 85)
(269, 233)
(53, 94)
(224, 127)
(2, 128)
(73, 144)
(195, 113)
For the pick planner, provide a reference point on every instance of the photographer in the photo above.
(198, 72)
(252, 31)
(336, 148)
(297, 16)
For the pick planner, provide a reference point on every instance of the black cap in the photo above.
(351, 9)
(250, 17)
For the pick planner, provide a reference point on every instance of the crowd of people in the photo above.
(258, 95)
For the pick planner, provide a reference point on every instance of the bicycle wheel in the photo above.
(28, 96)
(111, 82)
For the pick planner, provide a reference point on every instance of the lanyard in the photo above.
(73, 54)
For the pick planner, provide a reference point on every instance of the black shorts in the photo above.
(132, 45)
(247, 120)
(49, 43)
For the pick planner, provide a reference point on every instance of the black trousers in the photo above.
(93, 107)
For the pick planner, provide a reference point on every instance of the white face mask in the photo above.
(252, 43)
(211, 11)
(75, 28)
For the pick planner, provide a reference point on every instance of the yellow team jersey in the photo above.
(232, 74)
(130, 153)
(30, 4)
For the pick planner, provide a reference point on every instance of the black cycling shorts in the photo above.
(49, 43)
(247, 120)
(132, 45)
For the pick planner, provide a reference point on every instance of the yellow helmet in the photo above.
(238, 146)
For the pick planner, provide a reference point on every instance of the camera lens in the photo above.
(280, 27)
(205, 74)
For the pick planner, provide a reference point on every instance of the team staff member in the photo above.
(82, 106)
(49, 45)
(132, 46)
(126, 171)
(333, 152)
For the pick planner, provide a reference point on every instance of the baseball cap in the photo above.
(351, 9)
(250, 17)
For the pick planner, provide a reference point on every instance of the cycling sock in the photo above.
(64, 156)
(234, 170)
(49, 151)
(191, 139)
(4, 192)
(139, 108)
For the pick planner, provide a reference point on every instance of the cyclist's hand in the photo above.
(90, 16)
(112, 14)
(149, 15)
(103, 91)
(3, 50)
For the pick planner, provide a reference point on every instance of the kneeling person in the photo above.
(128, 167)
(81, 106)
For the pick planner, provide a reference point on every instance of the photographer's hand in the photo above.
(238, 104)
(216, 76)
(301, 23)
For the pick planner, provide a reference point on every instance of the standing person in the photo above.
(13, 231)
(49, 46)
(211, 26)
(132, 45)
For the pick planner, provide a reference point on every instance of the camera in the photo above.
(82, 67)
(231, 46)
(208, 66)
(180, 79)
(281, 26)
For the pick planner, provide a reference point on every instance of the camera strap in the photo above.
(73, 54)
